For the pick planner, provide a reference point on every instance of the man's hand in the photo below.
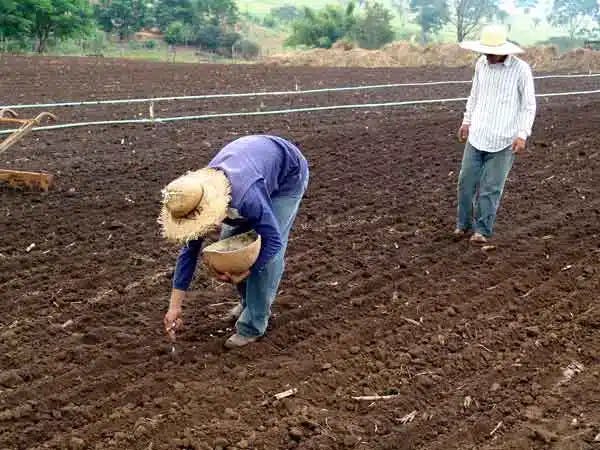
(237, 278)
(173, 322)
(234, 278)
(518, 146)
(463, 132)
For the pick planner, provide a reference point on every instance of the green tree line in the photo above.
(211, 24)
(369, 27)
(208, 24)
(368, 23)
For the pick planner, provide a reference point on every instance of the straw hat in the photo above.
(493, 41)
(194, 205)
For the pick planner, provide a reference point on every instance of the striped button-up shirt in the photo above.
(502, 104)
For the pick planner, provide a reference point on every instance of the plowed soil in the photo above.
(480, 350)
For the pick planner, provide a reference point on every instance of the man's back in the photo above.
(260, 157)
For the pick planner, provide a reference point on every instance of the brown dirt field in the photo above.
(377, 298)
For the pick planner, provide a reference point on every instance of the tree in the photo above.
(169, 11)
(12, 21)
(502, 16)
(179, 33)
(572, 15)
(216, 12)
(286, 13)
(431, 15)
(205, 23)
(466, 15)
(124, 17)
(55, 18)
(372, 28)
(402, 8)
(322, 28)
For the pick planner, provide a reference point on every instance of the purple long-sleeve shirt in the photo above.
(258, 167)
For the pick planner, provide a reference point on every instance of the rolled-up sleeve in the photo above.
(528, 103)
(256, 207)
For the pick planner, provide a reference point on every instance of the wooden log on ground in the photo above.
(30, 180)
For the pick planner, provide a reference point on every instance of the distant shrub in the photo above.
(225, 43)
(343, 44)
(135, 45)
(246, 49)
(563, 43)
(150, 44)
(269, 21)
(174, 33)
(373, 28)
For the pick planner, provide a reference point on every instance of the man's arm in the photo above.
(186, 265)
(182, 278)
(473, 96)
(528, 105)
(257, 208)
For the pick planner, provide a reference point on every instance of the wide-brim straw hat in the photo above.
(493, 41)
(194, 205)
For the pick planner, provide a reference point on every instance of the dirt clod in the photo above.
(230, 413)
(544, 435)
(77, 443)
(10, 378)
(296, 433)
(221, 442)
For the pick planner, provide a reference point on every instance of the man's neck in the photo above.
(497, 60)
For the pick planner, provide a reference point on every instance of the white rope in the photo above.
(277, 112)
(265, 94)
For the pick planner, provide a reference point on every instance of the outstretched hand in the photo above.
(173, 322)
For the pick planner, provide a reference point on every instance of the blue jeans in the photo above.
(488, 171)
(259, 290)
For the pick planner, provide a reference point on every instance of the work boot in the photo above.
(234, 313)
(237, 341)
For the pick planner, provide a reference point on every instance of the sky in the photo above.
(542, 9)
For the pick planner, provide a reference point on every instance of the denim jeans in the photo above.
(488, 171)
(259, 290)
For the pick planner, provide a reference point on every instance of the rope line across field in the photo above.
(155, 120)
(269, 93)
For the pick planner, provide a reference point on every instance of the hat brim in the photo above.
(508, 48)
(210, 212)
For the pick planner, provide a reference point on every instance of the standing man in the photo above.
(255, 182)
(497, 123)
